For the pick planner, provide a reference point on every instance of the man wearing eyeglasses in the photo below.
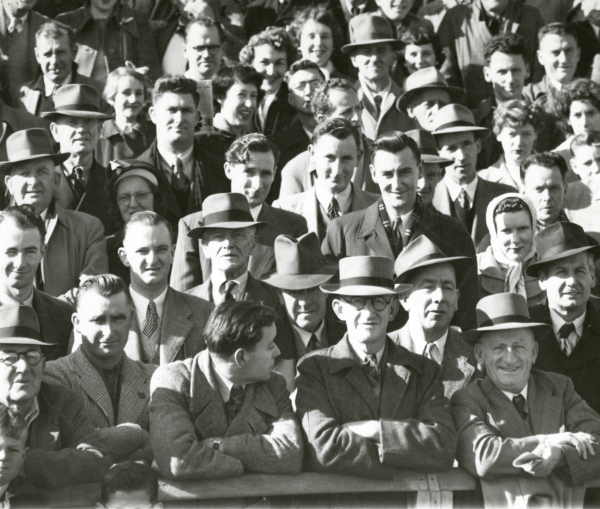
(369, 406)
(203, 49)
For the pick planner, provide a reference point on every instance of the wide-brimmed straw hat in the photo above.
(19, 325)
(369, 29)
(365, 276)
(299, 263)
(428, 78)
(455, 118)
(30, 145)
(428, 147)
(76, 100)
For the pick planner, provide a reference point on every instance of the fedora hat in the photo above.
(428, 147)
(75, 100)
(365, 276)
(122, 169)
(30, 145)
(19, 325)
(224, 210)
(428, 78)
(299, 263)
(422, 252)
(368, 29)
(455, 118)
(557, 241)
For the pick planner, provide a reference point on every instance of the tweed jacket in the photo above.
(190, 267)
(77, 373)
(492, 434)
(362, 233)
(416, 428)
(186, 409)
(458, 365)
(76, 247)
(583, 365)
(183, 320)
(257, 291)
(307, 205)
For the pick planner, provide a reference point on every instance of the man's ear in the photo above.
(478, 354)
(486, 74)
(478, 144)
(338, 308)
(239, 357)
(539, 58)
(75, 321)
(152, 114)
(372, 170)
(54, 131)
(227, 168)
(123, 257)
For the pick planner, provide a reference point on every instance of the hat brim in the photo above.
(347, 48)
(56, 159)
(473, 334)
(457, 94)
(364, 290)
(22, 340)
(297, 281)
(459, 262)
(225, 225)
(147, 175)
(534, 269)
(431, 159)
(460, 129)
(76, 113)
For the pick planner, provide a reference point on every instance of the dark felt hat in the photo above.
(30, 145)
(19, 325)
(369, 29)
(76, 100)
(428, 78)
(455, 118)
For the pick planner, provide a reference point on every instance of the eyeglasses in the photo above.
(124, 199)
(31, 357)
(378, 303)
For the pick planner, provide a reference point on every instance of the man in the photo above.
(400, 16)
(54, 53)
(167, 324)
(22, 234)
(203, 49)
(526, 433)
(250, 167)
(383, 228)
(384, 403)
(270, 52)
(74, 241)
(224, 412)
(371, 50)
(587, 29)
(61, 445)
(334, 157)
(465, 30)
(115, 388)
(461, 193)
(566, 271)
(227, 235)
(425, 92)
(75, 126)
(183, 177)
(431, 304)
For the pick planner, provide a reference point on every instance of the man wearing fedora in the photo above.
(61, 446)
(74, 241)
(371, 50)
(566, 271)
(22, 234)
(431, 304)
(250, 166)
(461, 193)
(75, 126)
(334, 158)
(526, 433)
(425, 92)
(368, 405)
(167, 324)
(227, 236)
(386, 226)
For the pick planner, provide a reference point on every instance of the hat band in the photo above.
(454, 123)
(77, 107)
(18, 331)
(225, 216)
(368, 281)
(504, 319)
(558, 249)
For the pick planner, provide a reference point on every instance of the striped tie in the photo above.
(151, 323)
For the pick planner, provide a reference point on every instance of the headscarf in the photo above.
(514, 280)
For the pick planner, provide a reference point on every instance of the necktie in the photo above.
(180, 181)
(151, 322)
(521, 405)
(433, 352)
(236, 399)
(462, 208)
(227, 290)
(333, 209)
(371, 369)
(378, 100)
(39, 278)
(564, 338)
(397, 229)
(313, 343)
(77, 180)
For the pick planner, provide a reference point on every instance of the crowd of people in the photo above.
(277, 236)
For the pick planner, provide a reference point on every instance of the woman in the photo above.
(129, 133)
(510, 219)
(134, 188)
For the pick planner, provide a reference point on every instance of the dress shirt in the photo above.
(344, 198)
(558, 322)
(371, 96)
(305, 335)
(362, 356)
(454, 189)
(217, 279)
(418, 342)
(187, 158)
(511, 395)
(224, 385)
(140, 303)
(406, 219)
(50, 87)
(255, 211)
(49, 224)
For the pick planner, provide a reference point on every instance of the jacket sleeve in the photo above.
(333, 245)
(186, 272)
(95, 259)
(178, 451)
(278, 449)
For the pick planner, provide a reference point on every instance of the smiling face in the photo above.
(517, 142)
(19, 382)
(316, 42)
(302, 87)
(305, 308)
(175, 117)
(425, 105)
(33, 183)
(419, 56)
(373, 62)
(134, 194)
(507, 74)
(239, 104)
(20, 255)
(395, 10)
(228, 250)
(462, 149)
(130, 97)
(271, 63)
(75, 135)
(507, 357)
(253, 178)
(514, 233)
(559, 55)
(54, 56)
(203, 50)
(334, 162)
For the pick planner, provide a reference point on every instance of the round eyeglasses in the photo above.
(31, 357)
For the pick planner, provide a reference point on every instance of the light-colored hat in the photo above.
(455, 118)
(428, 78)
(19, 325)
(30, 145)
(369, 29)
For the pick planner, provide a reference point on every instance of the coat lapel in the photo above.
(373, 233)
(206, 404)
(396, 377)
(133, 348)
(134, 396)
(503, 414)
(176, 324)
(544, 407)
(310, 211)
(441, 198)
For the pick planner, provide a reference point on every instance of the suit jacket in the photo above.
(458, 365)
(190, 267)
(484, 193)
(291, 141)
(183, 320)
(416, 431)
(186, 408)
(362, 233)
(307, 205)
(76, 247)
(113, 144)
(279, 116)
(77, 373)
(583, 365)
(590, 47)
(257, 291)
(492, 434)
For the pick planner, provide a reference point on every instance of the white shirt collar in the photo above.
(370, 96)
(419, 343)
(50, 86)
(558, 322)
(224, 385)
(454, 189)
(140, 303)
(511, 395)
(217, 279)
(344, 198)
(171, 158)
(362, 357)
(306, 335)
(255, 211)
